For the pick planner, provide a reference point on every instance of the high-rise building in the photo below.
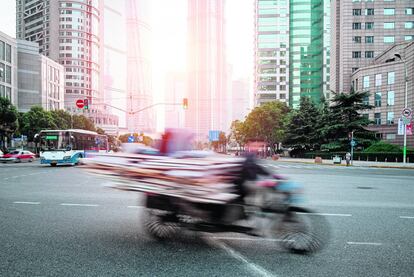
(206, 68)
(115, 59)
(70, 32)
(8, 68)
(240, 102)
(362, 30)
(40, 79)
(291, 50)
(139, 84)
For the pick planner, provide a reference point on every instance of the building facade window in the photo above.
(389, 25)
(390, 118)
(369, 11)
(378, 80)
(391, 78)
(377, 118)
(365, 100)
(409, 11)
(389, 39)
(409, 25)
(390, 98)
(366, 82)
(377, 101)
(369, 39)
(369, 25)
(357, 39)
(356, 26)
(356, 12)
(407, 38)
(356, 54)
(390, 136)
(369, 54)
(389, 11)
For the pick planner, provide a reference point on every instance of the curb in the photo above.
(344, 165)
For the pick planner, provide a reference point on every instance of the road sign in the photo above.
(353, 143)
(131, 139)
(407, 112)
(409, 129)
(406, 120)
(213, 135)
(79, 103)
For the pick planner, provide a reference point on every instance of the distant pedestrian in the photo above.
(348, 159)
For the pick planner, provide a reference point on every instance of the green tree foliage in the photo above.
(82, 122)
(8, 119)
(383, 147)
(343, 118)
(237, 133)
(62, 119)
(220, 145)
(266, 123)
(303, 127)
(35, 120)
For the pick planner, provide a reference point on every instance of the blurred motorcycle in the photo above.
(266, 207)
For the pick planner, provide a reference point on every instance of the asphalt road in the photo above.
(62, 222)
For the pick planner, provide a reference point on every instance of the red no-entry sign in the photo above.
(80, 103)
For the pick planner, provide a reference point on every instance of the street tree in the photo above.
(35, 120)
(238, 133)
(82, 122)
(267, 123)
(62, 119)
(8, 120)
(303, 127)
(344, 118)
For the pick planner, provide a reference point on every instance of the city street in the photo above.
(62, 222)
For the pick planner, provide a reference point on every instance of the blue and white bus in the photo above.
(68, 146)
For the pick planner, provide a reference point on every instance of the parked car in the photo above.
(18, 156)
(1, 153)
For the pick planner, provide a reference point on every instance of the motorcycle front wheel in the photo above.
(302, 231)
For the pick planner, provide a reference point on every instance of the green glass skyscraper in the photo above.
(292, 50)
(306, 50)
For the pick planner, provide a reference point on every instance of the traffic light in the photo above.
(86, 104)
(185, 103)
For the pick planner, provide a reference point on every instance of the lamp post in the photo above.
(405, 105)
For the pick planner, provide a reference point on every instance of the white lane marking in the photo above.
(254, 268)
(135, 207)
(327, 214)
(364, 243)
(26, 202)
(407, 217)
(79, 205)
(249, 239)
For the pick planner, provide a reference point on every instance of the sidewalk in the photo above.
(355, 163)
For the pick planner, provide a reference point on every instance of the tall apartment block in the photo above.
(206, 68)
(291, 50)
(70, 32)
(8, 68)
(362, 30)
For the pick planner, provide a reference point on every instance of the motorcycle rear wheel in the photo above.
(161, 225)
(302, 231)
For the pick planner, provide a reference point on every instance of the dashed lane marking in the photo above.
(327, 214)
(255, 269)
(407, 217)
(135, 207)
(79, 205)
(250, 239)
(363, 243)
(26, 202)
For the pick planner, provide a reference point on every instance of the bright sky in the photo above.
(169, 39)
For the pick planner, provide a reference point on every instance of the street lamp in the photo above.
(405, 105)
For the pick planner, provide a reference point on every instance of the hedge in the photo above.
(361, 156)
